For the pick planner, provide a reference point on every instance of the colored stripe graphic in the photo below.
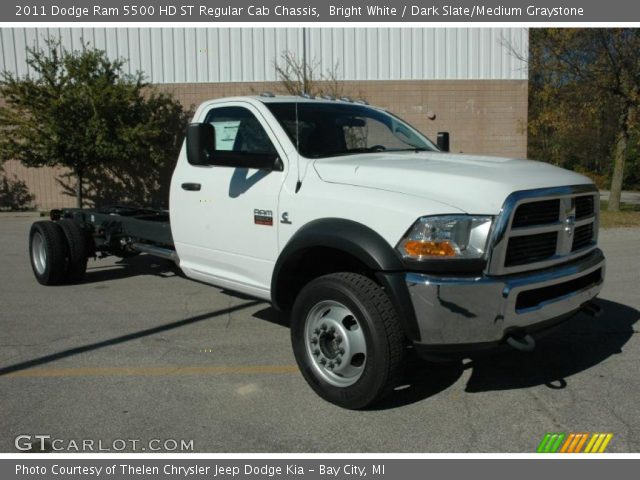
(565, 447)
(598, 442)
(606, 441)
(581, 442)
(574, 443)
(550, 443)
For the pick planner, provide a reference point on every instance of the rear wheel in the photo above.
(48, 251)
(347, 339)
(78, 251)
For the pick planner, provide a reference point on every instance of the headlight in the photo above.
(450, 236)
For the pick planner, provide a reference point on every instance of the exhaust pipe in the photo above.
(156, 251)
(592, 309)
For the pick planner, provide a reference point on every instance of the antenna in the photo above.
(299, 182)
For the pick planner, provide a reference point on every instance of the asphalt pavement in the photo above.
(138, 353)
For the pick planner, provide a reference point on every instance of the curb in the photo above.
(19, 214)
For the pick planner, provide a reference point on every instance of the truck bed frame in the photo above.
(124, 230)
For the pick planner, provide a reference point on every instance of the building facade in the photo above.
(473, 79)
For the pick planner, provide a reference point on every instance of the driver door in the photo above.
(230, 235)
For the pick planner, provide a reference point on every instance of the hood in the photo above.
(474, 184)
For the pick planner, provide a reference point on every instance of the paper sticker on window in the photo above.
(226, 133)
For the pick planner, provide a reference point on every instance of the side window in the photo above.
(239, 131)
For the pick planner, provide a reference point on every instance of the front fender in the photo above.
(359, 242)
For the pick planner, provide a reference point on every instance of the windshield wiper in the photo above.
(412, 149)
(374, 149)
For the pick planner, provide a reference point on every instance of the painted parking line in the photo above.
(154, 371)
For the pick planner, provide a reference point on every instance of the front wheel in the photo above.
(347, 340)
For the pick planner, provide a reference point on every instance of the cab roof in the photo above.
(271, 98)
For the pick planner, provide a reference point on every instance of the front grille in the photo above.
(535, 297)
(536, 213)
(584, 206)
(531, 248)
(541, 231)
(582, 237)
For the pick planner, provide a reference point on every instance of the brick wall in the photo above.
(482, 116)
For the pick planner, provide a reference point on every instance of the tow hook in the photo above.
(592, 309)
(524, 343)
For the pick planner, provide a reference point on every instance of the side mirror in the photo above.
(201, 143)
(443, 141)
(201, 151)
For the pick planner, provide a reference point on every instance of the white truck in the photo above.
(370, 238)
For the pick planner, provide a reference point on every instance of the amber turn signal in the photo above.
(415, 248)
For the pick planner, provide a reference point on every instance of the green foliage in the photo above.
(14, 193)
(584, 94)
(142, 176)
(117, 136)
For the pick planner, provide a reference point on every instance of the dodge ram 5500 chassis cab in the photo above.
(372, 239)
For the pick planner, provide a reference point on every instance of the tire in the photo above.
(48, 250)
(347, 339)
(78, 251)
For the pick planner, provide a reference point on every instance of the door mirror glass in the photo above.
(201, 143)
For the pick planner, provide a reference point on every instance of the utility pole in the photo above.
(304, 60)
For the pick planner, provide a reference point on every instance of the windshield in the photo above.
(326, 129)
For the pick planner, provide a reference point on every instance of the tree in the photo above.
(296, 76)
(14, 193)
(80, 110)
(585, 94)
(142, 177)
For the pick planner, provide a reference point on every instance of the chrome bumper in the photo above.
(472, 310)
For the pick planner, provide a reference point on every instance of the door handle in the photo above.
(191, 187)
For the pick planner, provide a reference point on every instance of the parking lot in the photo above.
(138, 352)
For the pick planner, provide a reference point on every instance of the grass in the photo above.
(627, 217)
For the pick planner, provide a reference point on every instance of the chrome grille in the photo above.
(540, 228)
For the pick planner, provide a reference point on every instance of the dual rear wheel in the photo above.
(58, 251)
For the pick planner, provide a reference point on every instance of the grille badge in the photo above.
(568, 217)
(570, 225)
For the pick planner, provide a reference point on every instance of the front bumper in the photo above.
(466, 311)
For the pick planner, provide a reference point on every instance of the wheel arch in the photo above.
(330, 245)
